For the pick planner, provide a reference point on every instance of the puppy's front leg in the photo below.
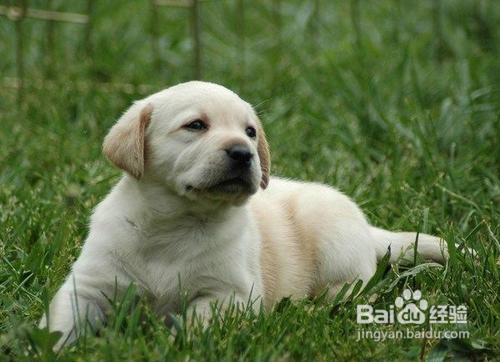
(202, 307)
(70, 311)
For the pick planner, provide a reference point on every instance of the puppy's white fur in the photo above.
(169, 225)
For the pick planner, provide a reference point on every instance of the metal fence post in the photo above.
(437, 9)
(155, 46)
(20, 51)
(49, 44)
(88, 29)
(240, 29)
(195, 30)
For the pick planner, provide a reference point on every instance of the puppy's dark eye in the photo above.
(250, 131)
(196, 125)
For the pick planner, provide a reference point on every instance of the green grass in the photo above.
(396, 103)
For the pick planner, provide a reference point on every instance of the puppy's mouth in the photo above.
(231, 186)
(234, 185)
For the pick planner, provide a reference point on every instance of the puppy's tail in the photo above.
(402, 245)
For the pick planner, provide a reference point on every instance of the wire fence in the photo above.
(21, 12)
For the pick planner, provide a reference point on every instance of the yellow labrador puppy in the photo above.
(196, 208)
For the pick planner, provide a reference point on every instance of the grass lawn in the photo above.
(396, 103)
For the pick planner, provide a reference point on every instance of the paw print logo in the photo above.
(411, 307)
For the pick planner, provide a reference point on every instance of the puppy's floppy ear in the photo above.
(264, 155)
(124, 144)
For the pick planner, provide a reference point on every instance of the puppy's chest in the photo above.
(168, 262)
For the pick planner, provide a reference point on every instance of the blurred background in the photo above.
(391, 75)
(395, 102)
(277, 47)
(401, 88)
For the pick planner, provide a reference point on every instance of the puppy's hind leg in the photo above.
(344, 250)
(345, 255)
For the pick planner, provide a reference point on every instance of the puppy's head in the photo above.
(198, 139)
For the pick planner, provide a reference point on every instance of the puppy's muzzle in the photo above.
(234, 176)
(240, 157)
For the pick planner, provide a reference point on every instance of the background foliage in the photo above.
(396, 103)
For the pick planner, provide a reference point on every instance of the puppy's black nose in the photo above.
(240, 155)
